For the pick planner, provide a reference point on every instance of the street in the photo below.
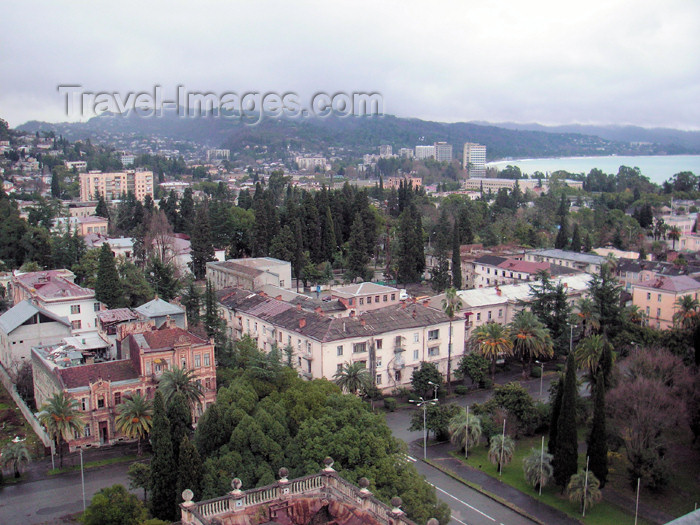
(468, 506)
(45, 500)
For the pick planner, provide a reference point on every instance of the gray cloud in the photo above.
(595, 61)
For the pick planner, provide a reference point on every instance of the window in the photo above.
(339, 367)
(100, 402)
(659, 298)
(362, 301)
(415, 355)
(363, 364)
(478, 316)
(393, 297)
(397, 375)
(369, 300)
(658, 312)
(433, 335)
(183, 362)
(358, 348)
(96, 307)
(117, 398)
(85, 403)
(500, 312)
(281, 283)
(86, 431)
(433, 351)
(339, 350)
(207, 383)
(379, 344)
(648, 296)
(76, 325)
(379, 362)
(197, 361)
(379, 379)
(376, 299)
(489, 315)
(647, 310)
(74, 309)
(207, 362)
(385, 298)
(415, 337)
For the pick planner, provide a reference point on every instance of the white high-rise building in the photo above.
(385, 151)
(443, 152)
(425, 152)
(406, 153)
(474, 160)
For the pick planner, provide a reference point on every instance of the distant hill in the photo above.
(675, 138)
(353, 136)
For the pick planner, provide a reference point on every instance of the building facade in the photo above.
(657, 298)
(112, 186)
(443, 152)
(474, 159)
(250, 274)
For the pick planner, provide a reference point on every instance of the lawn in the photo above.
(94, 464)
(13, 424)
(602, 513)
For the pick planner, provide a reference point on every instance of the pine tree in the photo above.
(186, 217)
(566, 450)
(190, 473)
(201, 243)
(180, 418)
(576, 240)
(554, 417)
(440, 273)
(212, 321)
(163, 467)
(456, 260)
(107, 288)
(597, 440)
(562, 239)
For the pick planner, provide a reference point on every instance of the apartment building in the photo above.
(391, 341)
(112, 186)
(657, 298)
(395, 182)
(83, 225)
(250, 274)
(492, 270)
(363, 297)
(474, 159)
(55, 291)
(425, 152)
(311, 163)
(99, 386)
(443, 152)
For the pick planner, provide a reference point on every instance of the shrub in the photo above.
(390, 404)
(536, 372)
(487, 383)
(461, 390)
(561, 367)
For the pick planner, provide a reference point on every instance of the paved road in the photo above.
(468, 506)
(45, 500)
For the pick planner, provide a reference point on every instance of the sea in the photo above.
(659, 168)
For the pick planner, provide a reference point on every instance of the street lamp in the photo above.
(435, 389)
(541, 374)
(424, 405)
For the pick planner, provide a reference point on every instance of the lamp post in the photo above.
(424, 405)
(541, 375)
(435, 389)
(82, 476)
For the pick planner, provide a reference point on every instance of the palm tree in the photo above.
(135, 417)
(352, 377)
(686, 316)
(61, 417)
(15, 454)
(589, 352)
(492, 341)
(588, 316)
(530, 339)
(501, 455)
(578, 491)
(674, 234)
(537, 468)
(183, 381)
(450, 304)
(457, 429)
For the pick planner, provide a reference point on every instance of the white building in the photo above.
(250, 274)
(406, 153)
(425, 152)
(474, 159)
(310, 163)
(443, 152)
(385, 151)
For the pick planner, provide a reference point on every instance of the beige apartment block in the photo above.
(112, 186)
(657, 298)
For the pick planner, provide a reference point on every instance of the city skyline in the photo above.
(597, 62)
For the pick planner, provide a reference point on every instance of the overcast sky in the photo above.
(552, 62)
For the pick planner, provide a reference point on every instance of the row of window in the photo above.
(75, 308)
(433, 351)
(385, 298)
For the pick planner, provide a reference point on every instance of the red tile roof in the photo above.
(77, 376)
(169, 337)
(515, 265)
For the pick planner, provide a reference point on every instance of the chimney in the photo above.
(298, 307)
(302, 323)
(279, 297)
(262, 294)
(318, 310)
(362, 321)
(352, 313)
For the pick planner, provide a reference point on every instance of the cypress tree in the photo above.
(192, 301)
(190, 472)
(202, 245)
(597, 440)
(211, 319)
(55, 186)
(180, 418)
(554, 417)
(163, 468)
(563, 236)
(186, 217)
(107, 288)
(357, 250)
(456, 260)
(576, 240)
(566, 450)
(101, 210)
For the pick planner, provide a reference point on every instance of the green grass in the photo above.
(602, 513)
(93, 464)
(15, 425)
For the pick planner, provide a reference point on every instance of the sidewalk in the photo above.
(518, 501)
(39, 468)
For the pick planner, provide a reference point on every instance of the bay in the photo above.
(658, 168)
